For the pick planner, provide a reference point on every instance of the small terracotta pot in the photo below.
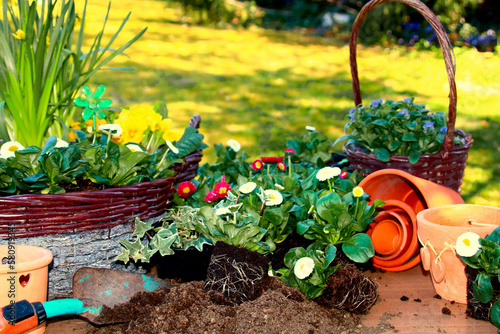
(27, 279)
(438, 230)
(395, 242)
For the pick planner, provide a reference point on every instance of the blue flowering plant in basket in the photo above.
(396, 128)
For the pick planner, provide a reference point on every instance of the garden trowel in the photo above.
(112, 287)
(93, 288)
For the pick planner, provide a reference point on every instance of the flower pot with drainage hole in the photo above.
(438, 230)
(394, 230)
(24, 275)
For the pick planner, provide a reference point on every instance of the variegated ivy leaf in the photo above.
(133, 247)
(141, 227)
(124, 256)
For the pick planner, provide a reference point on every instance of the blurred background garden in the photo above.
(260, 71)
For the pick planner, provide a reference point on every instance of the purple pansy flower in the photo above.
(404, 112)
(443, 129)
(407, 100)
(376, 103)
(428, 126)
(351, 114)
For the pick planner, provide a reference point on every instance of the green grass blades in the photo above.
(43, 66)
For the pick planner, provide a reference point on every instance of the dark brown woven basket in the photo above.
(446, 167)
(36, 214)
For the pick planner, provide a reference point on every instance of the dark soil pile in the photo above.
(476, 309)
(349, 289)
(188, 308)
(236, 272)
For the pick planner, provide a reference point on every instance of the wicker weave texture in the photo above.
(446, 167)
(36, 214)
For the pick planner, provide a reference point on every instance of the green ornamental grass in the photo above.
(43, 66)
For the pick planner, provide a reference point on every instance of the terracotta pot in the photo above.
(438, 230)
(29, 276)
(395, 241)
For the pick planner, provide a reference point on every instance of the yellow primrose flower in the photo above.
(132, 129)
(168, 133)
(151, 117)
(19, 34)
(171, 135)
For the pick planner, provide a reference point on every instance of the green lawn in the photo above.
(262, 87)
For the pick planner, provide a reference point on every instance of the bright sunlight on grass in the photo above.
(263, 87)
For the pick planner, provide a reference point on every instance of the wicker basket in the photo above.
(36, 214)
(446, 167)
(83, 228)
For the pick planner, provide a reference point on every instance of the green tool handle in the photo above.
(59, 307)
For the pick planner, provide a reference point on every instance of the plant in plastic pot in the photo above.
(177, 249)
(482, 255)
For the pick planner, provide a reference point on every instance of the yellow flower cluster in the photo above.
(141, 121)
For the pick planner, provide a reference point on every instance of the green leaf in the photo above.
(414, 157)
(382, 154)
(161, 108)
(344, 219)
(329, 207)
(483, 290)
(133, 247)
(380, 122)
(494, 236)
(394, 145)
(330, 253)
(49, 143)
(409, 137)
(124, 255)
(495, 313)
(189, 141)
(303, 226)
(359, 248)
(141, 227)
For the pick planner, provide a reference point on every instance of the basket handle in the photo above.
(444, 42)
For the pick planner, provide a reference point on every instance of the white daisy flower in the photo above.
(134, 148)
(248, 187)
(467, 244)
(9, 148)
(303, 268)
(273, 197)
(61, 143)
(327, 173)
(234, 145)
(310, 128)
(171, 146)
(115, 129)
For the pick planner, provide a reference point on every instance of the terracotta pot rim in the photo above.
(423, 221)
(390, 217)
(42, 260)
(410, 257)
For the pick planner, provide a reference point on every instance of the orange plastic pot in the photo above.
(24, 275)
(438, 230)
(395, 241)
